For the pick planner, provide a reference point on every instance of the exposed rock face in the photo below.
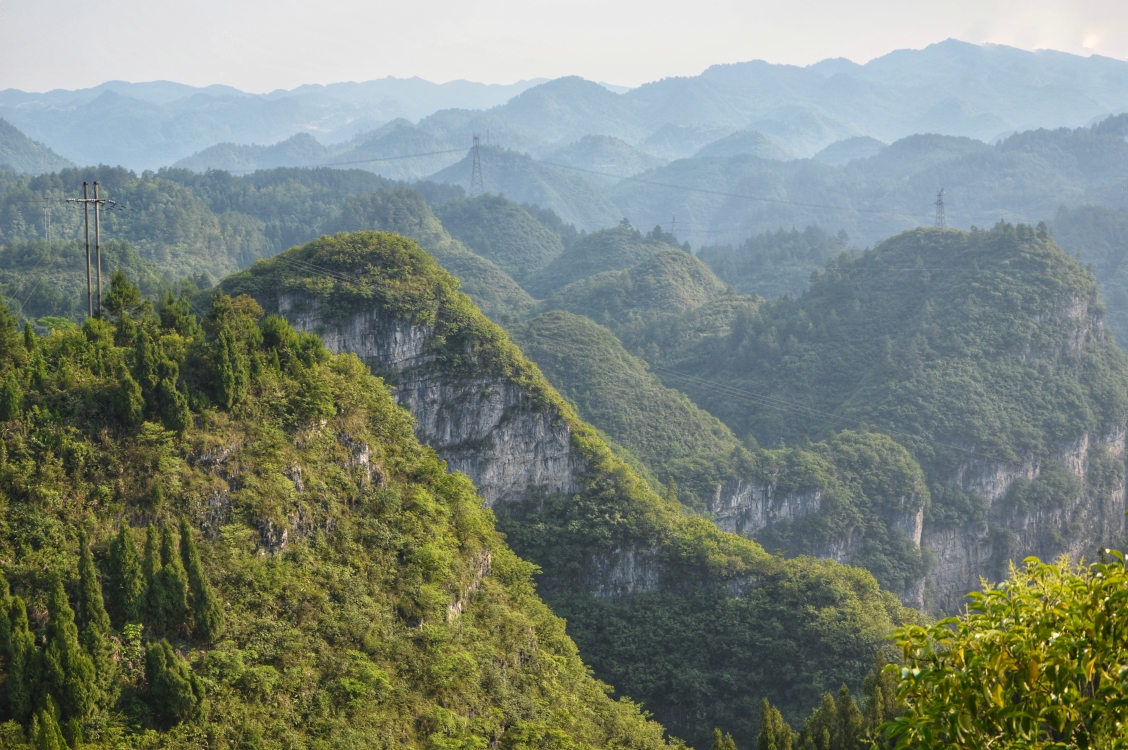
(746, 508)
(1094, 519)
(486, 428)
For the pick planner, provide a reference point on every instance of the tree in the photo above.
(725, 741)
(11, 348)
(880, 689)
(775, 733)
(127, 583)
(207, 612)
(129, 402)
(837, 724)
(173, 405)
(11, 399)
(168, 588)
(1037, 661)
(46, 732)
(231, 370)
(96, 631)
(25, 666)
(146, 360)
(174, 692)
(69, 671)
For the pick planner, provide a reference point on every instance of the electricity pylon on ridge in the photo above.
(477, 184)
(940, 218)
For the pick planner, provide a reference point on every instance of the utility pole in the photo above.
(86, 200)
(477, 185)
(674, 224)
(940, 219)
(98, 243)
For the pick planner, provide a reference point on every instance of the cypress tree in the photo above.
(95, 633)
(880, 689)
(39, 376)
(207, 612)
(129, 401)
(25, 668)
(127, 584)
(31, 343)
(11, 348)
(775, 733)
(231, 369)
(168, 588)
(173, 405)
(851, 723)
(722, 741)
(11, 399)
(70, 675)
(671, 490)
(46, 732)
(174, 692)
(151, 565)
(145, 363)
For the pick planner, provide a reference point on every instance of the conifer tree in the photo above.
(127, 583)
(46, 732)
(168, 588)
(671, 490)
(174, 692)
(173, 405)
(11, 348)
(880, 689)
(151, 563)
(25, 668)
(207, 612)
(69, 672)
(232, 375)
(31, 343)
(129, 402)
(11, 399)
(723, 741)
(95, 632)
(775, 733)
(146, 360)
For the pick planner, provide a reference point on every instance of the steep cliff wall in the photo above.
(485, 427)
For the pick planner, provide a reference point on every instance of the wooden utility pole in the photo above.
(86, 200)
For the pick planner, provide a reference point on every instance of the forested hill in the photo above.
(18, 153)
(218, 532)
(696, 623)
(982, 352)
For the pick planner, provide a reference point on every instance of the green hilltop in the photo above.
(673, 649)
(224, 534)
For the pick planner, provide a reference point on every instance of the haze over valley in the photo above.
(566, 414)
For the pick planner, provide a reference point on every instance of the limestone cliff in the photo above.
(486, 427)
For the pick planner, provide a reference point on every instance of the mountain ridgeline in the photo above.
(220, 532)
(616, 556)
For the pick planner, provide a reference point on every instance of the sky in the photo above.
(262, 45)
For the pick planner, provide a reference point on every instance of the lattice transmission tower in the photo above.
(941, 221)
(477, 185)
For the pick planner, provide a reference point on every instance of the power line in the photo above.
(357, 161)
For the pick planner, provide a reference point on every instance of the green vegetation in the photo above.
(503, 232)
(773, 264)
(715, 588)
(606, 250)
(1099, 236)
(664, 284)
(987, 334)
(18, 153)
(1036, 662)
(287, 592)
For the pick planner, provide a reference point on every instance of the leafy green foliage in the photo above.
(503, 232)
(667, 283)
(669, 645)
(606, 250)
(773, 264)
(1037, 661)
(775, 733)
(987, 334)
(337, 585)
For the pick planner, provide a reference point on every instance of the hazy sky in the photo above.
(260, 45)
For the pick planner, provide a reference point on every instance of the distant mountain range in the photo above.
(950, 88)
